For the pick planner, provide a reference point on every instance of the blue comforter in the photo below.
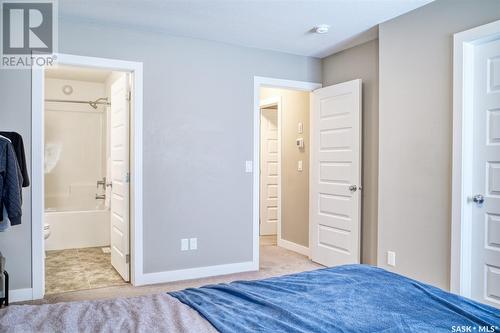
(352, 298)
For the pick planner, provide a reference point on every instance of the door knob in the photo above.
(353, 188)
(478, 198)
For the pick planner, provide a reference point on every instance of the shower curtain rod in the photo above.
(100, 101)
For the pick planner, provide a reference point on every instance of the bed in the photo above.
(351, 298)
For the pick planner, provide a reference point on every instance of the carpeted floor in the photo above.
(274, 261)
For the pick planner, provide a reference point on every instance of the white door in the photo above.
(270, 171)
(486, 175)
(119, 144)
(335, 178)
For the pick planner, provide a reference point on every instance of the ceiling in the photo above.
(77, 73)
(280, 25)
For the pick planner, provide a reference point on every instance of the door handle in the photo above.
(478, 198)
(353, 188)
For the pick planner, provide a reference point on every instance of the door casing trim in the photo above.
(136, 167)
(259, 82)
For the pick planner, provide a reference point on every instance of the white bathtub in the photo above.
(77, 229)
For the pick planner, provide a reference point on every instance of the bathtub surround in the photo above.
(75, 159)
(77, 229)
(75, 145)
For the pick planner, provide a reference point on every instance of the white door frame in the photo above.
(259, 82)
(37, 156)
(461, 210)
(264, 103)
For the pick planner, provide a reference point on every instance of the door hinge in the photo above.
(127, 177)
(129, 96)
(127, 258)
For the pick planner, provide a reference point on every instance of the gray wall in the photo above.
(294, 184)
(198, 120)
(361, 62)
(15, 115)
(415, 144)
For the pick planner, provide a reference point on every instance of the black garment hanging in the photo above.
(17, 143)
(10, 183)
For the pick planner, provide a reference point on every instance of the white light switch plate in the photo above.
(249, 166)
(300, 128)
(391, 258)
(193, 243)
(184, 244)
(299, 166)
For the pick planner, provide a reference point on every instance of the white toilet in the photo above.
(46, 230)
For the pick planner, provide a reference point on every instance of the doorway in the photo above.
(86, 225)
(475, 264)
(87, 151)
(328, 206)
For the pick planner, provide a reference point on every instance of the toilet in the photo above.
(46, 230)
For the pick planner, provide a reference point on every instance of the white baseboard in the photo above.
(196, 273)
(293, 247)
(20, 295)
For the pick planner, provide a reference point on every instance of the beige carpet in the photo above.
(274, 261)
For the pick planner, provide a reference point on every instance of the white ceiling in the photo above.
(77, 73)
(281, 25)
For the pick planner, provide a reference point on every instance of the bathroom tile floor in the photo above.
(79, 269)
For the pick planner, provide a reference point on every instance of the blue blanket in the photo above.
(351, 298)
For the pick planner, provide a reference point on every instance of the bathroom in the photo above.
(80, 169)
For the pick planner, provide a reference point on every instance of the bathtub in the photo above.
(76, 223)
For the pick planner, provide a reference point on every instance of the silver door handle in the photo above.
(478, 198)
(353, 188)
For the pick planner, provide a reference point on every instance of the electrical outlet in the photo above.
(193, 243)
(184, 244)
(391, 258)
(248, 166)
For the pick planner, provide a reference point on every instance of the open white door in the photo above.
(270, 171)
(335, 177)
(119, 142)
(486, 175)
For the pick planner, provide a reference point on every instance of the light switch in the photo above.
(193, 243)
(184, 244)
(299, 166)
(300, 128)
(248, 166)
